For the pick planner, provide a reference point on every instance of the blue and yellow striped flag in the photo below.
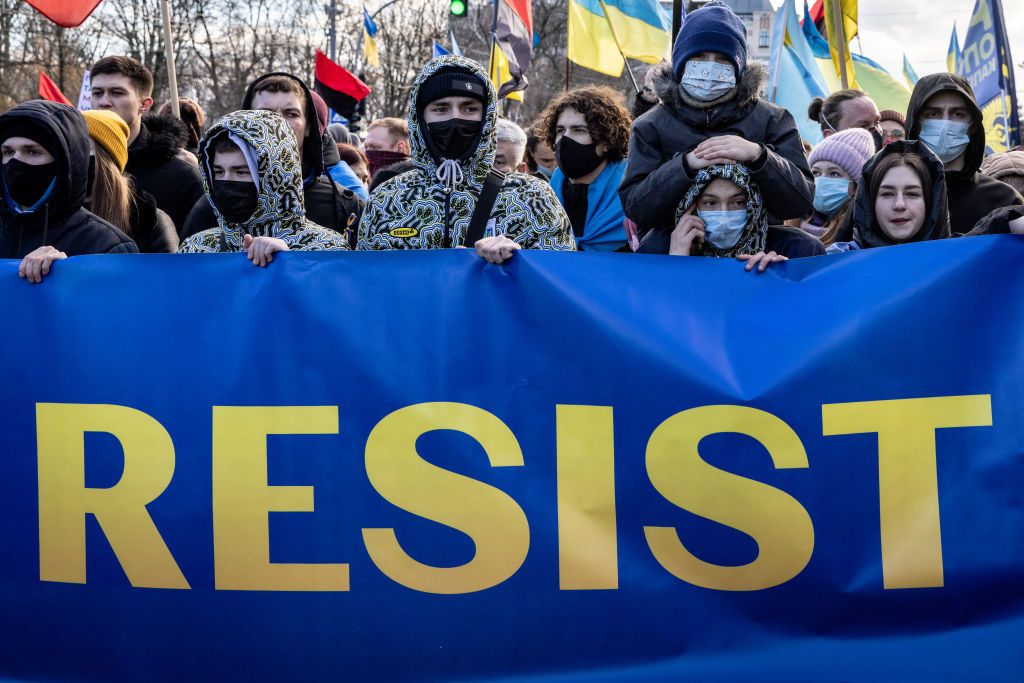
(370, 40)
(908, 72)
(953, 54)
(602, 31)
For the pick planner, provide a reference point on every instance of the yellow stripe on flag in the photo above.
(500, 73)
(639, 40)
(848, 12)
(591, 43)
(370, 50)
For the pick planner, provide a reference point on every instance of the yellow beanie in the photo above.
(111, 132)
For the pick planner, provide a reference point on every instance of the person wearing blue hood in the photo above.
(709, 113)
(45, 149)
(589, 130)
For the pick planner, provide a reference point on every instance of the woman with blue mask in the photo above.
(710, 112)
(944, 115)
(723, 216)
(836, 163)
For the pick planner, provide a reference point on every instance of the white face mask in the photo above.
(706, 81)
(723, 229)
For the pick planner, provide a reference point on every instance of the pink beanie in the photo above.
(849, 149)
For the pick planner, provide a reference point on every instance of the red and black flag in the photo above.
(48, 90)
(341, 90)
(66, 13)
(515, 38)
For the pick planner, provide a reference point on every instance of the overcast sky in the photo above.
(921, 28)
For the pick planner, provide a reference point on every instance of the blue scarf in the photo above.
(605, 227)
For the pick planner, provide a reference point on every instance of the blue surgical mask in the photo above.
(830, 194)
(544, 171)
(948, 139)
(706, 81)
(722, 229)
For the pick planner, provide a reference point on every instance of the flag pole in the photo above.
(839, 27)
(611, 28)
(172, 76)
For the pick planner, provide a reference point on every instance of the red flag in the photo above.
(48, 90)
(339, 88)
(66, 13)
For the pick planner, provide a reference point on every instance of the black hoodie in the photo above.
(156, 159)
(972, 195)
(61, 222)
(326, 204)
(657, 176)
(866, 231)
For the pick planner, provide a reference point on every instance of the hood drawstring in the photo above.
(450, 173)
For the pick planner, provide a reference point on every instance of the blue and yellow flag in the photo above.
(908, 72)
(370, 40)
(601, 32)
(795, 78)
(987, 64)
(841, 32)
(953, 54)
(872, 78)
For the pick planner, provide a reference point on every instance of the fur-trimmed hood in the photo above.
(161, 138)
(739, 100)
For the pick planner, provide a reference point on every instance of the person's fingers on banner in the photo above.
(37, 264)
(496, 249)
(761, 260)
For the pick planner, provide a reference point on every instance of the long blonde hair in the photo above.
(112, 197)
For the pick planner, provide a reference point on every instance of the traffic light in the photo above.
(459, 8)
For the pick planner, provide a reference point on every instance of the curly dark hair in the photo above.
(603, 109)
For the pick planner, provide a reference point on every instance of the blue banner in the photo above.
(987, 63)
(419, 466)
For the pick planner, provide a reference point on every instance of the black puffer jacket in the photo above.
(866, 232)
(657, 176)
(152, 229)
(61, 222)
(972, 195)
(156, 159)
(327, 204)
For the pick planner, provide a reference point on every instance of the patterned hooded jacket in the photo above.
(280, 210)
(416, 210)
(755, 235)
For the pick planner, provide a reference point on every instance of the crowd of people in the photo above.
(700, 164)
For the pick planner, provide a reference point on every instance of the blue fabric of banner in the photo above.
(637, 339)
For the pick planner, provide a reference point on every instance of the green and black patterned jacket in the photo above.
(416, 210)
(280, 212)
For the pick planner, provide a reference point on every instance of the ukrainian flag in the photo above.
(370, 40)
(953, 54)
(908, 72)
(602, 31)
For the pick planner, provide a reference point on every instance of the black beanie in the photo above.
(451, 83)
(27, 128)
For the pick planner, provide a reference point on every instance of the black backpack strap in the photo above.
(482, 210)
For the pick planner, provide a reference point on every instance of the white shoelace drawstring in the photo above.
(450, 173)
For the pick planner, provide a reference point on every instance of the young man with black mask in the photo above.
(251, 174)
(589, 130)
(327, 204)
(45, 151)
(452, 115)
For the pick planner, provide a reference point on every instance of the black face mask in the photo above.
(574, 159)
(876, 134)
(26, 182)
(236, 200)
(453, 138)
